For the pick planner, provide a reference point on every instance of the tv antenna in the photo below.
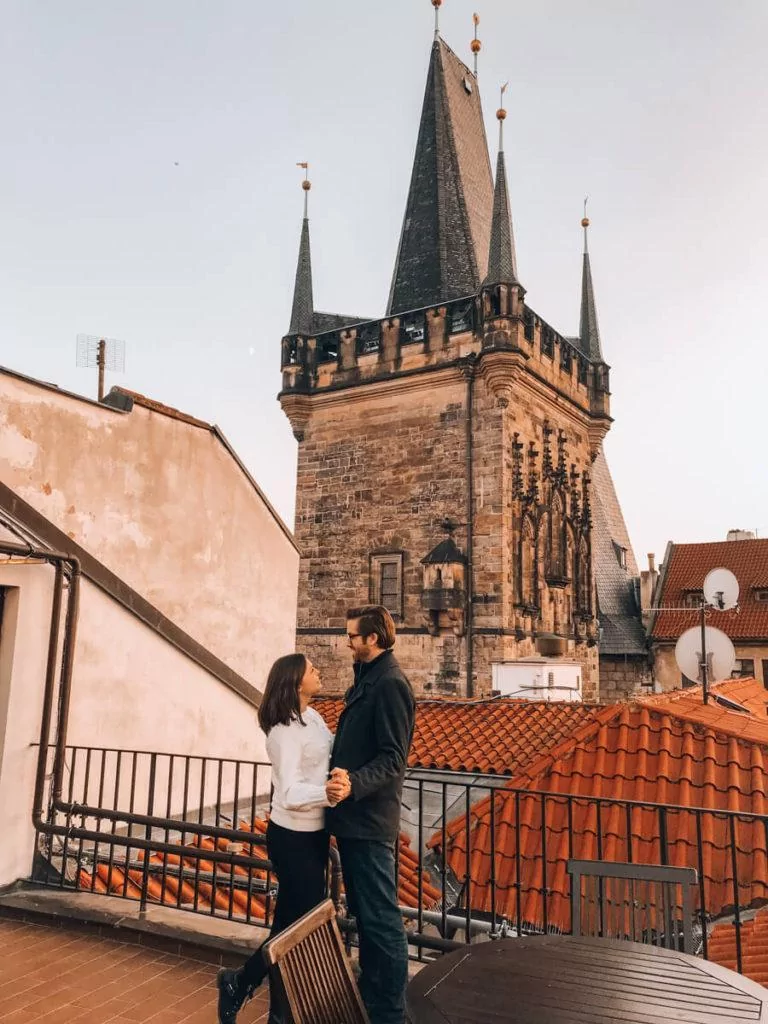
(702, 652)
(104, 353)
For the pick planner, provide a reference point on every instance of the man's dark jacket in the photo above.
(373, 738)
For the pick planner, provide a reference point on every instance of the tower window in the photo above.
(386, 581)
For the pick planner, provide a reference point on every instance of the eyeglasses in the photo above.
(351, 636)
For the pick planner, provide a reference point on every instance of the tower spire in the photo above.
(444, 240)
(502, 261)
(437, 5)
(589, 331)
(302, 312)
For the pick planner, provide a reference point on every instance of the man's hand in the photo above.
(338, 787)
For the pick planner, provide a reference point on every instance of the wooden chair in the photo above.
(310, 968)
(649, 903)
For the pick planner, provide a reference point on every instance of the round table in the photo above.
(559, 979)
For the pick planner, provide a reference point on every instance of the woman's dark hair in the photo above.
(280, 703)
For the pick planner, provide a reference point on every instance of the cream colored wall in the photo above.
(667, 674)
(166, 508)
(131, 689)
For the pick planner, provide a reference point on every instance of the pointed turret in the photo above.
(302, 313)
(589, 332)
(446, 230)
(502, 261)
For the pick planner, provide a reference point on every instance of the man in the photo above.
(368, 764)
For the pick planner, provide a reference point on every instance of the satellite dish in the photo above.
(721, 656)
(721, 589)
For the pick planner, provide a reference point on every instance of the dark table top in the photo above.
(559, 979)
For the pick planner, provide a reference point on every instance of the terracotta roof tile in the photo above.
(673, 753)
(114, 879)
(495, 737)
(754, 947)
(688, 565)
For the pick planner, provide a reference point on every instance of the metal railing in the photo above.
(476, 858)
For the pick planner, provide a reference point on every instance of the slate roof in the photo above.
(497, 737)
(322, 322)
(502, 259)
(589, 331)
(445, 236)
(685, 568)
(668, 750)
(303, 302)
(619, 615)
(446, 551)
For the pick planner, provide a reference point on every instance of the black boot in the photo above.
(233, 991)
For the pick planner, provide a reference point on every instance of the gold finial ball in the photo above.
(501, 114)
(476, 46)
(585, 222)
(437, 3)
(306, 185)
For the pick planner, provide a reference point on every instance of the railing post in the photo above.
(148, 836)
(736, 895)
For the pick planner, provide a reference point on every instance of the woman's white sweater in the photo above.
(300, 755)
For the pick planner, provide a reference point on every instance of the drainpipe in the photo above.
(468, 368)
(50, 682)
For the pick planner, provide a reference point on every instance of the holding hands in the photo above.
(338, 787)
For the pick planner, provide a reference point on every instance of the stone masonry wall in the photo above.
(379, 468)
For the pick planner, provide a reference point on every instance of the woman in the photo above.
(299, 747)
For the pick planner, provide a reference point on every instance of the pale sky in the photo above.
(149, 192)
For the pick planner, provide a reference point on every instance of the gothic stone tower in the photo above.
(446, 451)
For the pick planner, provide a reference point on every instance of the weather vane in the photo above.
(476, 46)
(306, 184)
(585, 222)
(501, 114)
(437, 4)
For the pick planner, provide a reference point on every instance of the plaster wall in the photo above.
(131, 690)
(162, 503)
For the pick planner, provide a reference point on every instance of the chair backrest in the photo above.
(649, 903)
(314, 974)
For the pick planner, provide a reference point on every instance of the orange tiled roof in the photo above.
(687, 566)
(663, 750)
(497, 737)
(113, 879)
(754, 947)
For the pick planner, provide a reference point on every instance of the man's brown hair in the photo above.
(374, 618)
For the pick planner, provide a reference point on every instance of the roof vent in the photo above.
(727, 702)
(468, 86)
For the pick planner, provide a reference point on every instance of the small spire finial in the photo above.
(585, 223)
(501, 115)
(306, 185)
(437, 5)
(476, 46)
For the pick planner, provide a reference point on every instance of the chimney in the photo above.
(648, 579)
(740, 535)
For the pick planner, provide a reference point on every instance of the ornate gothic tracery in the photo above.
(552, 532)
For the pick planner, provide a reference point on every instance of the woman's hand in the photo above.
(338, 787)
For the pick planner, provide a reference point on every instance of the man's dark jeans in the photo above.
(369, 879)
